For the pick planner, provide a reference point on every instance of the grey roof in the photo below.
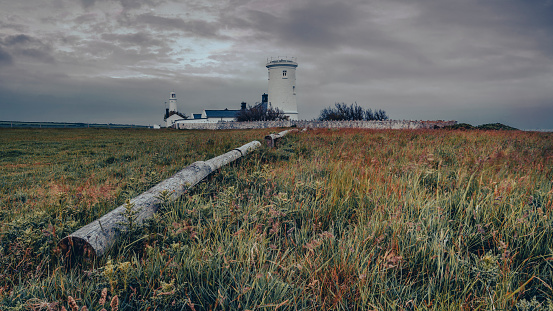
(221, 113)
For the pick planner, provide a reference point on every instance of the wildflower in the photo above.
(103, 296)
(290, 231)
(275, 213)
(124, 267)
(239, 232)
(480, 229)
(488, 262)
(168, 288)
(391, 260)
(109, 273)
(313, 244)
(114, 303)
(72, 303)
(191, 305)
(109, 269)
(275, 228)
(327, 235)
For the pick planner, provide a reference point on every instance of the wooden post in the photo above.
(94, 239)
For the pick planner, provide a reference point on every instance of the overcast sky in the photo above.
(475, 61)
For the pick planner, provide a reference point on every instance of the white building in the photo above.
(282, 85)
(214, 115)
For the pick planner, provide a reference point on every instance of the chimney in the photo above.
(243, 104)
(264, 98)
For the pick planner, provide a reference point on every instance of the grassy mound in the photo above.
(484, 127)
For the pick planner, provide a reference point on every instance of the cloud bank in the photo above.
(117, 61)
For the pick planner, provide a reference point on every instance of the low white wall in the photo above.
(388, 124)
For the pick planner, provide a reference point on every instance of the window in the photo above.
(294, 89)
(173, 95)
(284, 73)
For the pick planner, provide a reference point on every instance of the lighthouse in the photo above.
(172, 114)
(282, 85)
(173, 102)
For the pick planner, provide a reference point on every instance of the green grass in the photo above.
(332, 220)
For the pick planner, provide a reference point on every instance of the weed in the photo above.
(129, 215)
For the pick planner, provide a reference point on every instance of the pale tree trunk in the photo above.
(94, 239)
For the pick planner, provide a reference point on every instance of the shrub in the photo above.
(353, 112)
(260, 112)
(496, 127)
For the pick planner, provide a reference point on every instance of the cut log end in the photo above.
(74, 247)
(270, 141)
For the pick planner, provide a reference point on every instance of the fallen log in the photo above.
(94, 239)
(272, 139)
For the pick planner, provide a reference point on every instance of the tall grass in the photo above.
(333, 219)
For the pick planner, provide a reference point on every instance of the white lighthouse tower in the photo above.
(173, 102)
(282, 85)
(172, 113)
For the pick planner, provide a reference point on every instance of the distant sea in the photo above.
(30, 124)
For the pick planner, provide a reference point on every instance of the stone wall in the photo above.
(388, 124)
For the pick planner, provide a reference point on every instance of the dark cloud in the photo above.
(135, 4)
(5, 57)
(37, 55)
(86, 19)
(319, 24)
(20, 39)
(132, 4)
(160, 22)
(313, 24)
(195, 27)
(516, 22)
(126, 4)
(88, 3)
(140, 39)
(29, 47)
(15, 26)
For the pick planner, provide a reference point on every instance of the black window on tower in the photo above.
(284, 73)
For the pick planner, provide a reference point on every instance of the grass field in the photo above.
(331, 220)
